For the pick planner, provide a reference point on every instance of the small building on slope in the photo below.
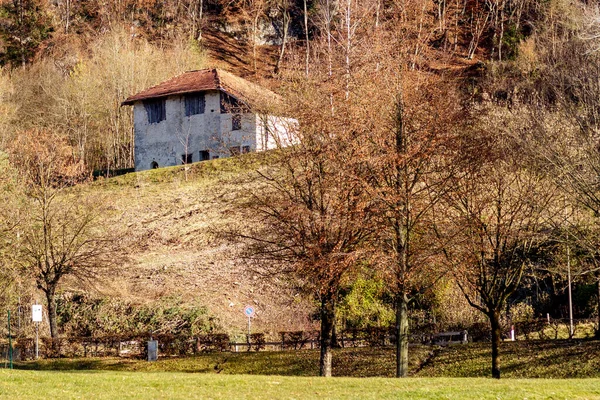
(203, 115)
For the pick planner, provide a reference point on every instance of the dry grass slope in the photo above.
(173, 217)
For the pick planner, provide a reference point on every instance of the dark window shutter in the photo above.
(194, 104)
(156, 110)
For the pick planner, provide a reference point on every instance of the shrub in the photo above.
(83, 315)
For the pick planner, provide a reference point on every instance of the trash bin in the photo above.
(152, 350)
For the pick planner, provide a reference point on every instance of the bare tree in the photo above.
(563, 124)
(62, 235)
(254, 11)
(10, 197)
(195, 11)
(306, 39)
(284, 8)
(500, 211)
(308, 215)
(409, 165)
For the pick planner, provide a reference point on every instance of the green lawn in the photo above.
(455, 372)
(534, 359)
(359, 362)
(18, 384)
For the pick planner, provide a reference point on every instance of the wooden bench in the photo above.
(445, 338)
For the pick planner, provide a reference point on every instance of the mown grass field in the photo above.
(535, 359)
(564, 370)
(17, 384)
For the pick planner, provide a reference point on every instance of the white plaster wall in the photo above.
(166, 141)
(275, 132)
(244, 137)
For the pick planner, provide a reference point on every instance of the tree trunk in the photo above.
(327, 312)
(200, 15)
(598, 307)
(494, 317)
(401, 336)
(67, 15)
(254, 39)
(306, 33)
(51, 298)
(286, 24)
(334, 340)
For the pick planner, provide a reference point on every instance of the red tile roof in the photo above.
(203, 80)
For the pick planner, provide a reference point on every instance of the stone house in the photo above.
(202, 115)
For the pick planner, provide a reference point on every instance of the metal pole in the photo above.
(10, 350)
(19, 316)
(248, 337)
(571, 329)
(37, 329)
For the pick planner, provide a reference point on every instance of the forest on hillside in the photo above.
(67, 65)
(445, 146)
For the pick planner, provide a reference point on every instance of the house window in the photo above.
(194, 104)
(156, 110)
(234, 150)
(236, 122)
(245, 149)
(186, 158)
(204, 155)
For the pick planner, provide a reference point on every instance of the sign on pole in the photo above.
(36, 313)
(249, 311)
(36, 316)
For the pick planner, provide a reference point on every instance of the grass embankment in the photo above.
(129, 385)
(551, 359)
(173, 220)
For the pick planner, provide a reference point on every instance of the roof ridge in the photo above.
(194, 70)
(203, 80)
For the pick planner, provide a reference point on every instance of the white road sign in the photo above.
(36, 313)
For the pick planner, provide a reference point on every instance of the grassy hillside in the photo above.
(172, 218)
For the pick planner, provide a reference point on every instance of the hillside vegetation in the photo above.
(445, 174)
(175, 218)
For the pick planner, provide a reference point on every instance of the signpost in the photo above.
(249, 312)
(36, 316)
(10, 349)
